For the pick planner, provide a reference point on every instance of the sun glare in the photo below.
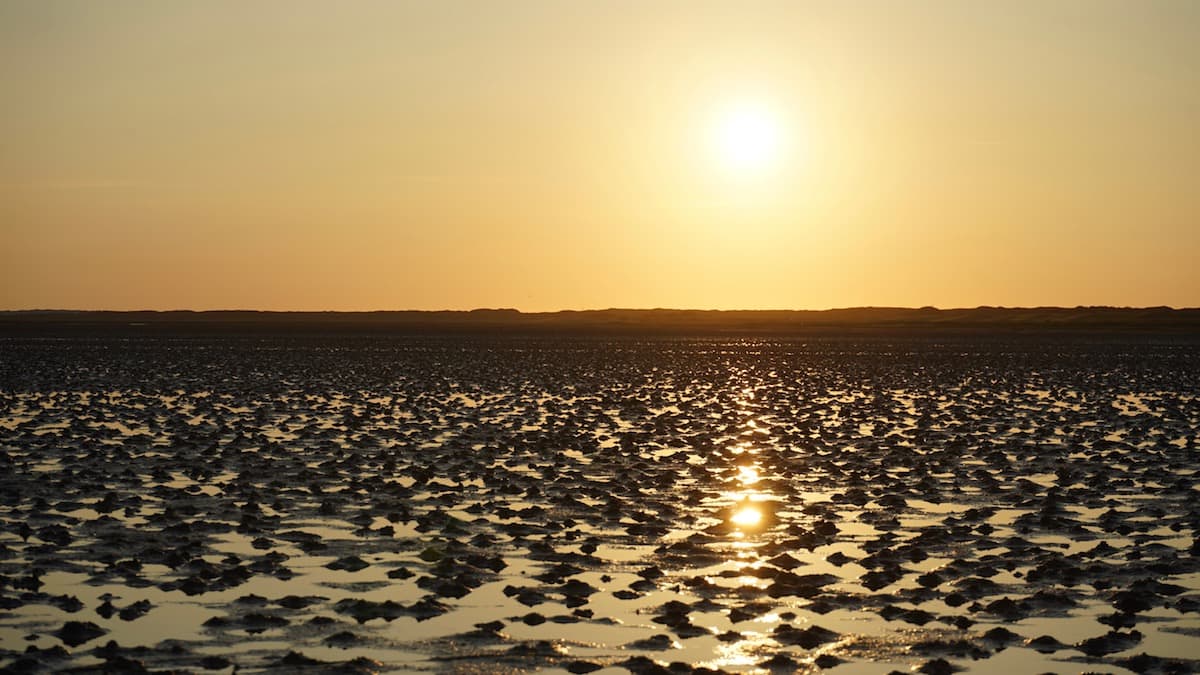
(746, 138)
(746, 516)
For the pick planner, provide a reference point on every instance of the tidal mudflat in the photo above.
(610, 505)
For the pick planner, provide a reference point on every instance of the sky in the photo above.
(546, 155)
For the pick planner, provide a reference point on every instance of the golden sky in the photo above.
(569, 154)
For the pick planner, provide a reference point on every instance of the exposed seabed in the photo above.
(501, 505)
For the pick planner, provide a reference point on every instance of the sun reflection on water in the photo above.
(748, 513)
(746, 516)
(747, 475)
(747, 652)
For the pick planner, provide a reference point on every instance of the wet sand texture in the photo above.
(614, 505)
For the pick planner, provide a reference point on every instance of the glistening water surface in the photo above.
(503, 505)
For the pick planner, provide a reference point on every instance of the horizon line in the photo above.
(510, 310)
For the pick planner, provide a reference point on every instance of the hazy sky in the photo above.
(567, 154)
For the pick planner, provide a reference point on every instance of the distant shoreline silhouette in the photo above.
(859, 321)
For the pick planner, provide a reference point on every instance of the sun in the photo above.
(746, 138)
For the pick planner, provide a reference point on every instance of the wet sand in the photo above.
(643, 505)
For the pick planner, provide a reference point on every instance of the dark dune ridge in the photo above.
(859, 321)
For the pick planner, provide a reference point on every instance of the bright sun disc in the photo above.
(746, 138)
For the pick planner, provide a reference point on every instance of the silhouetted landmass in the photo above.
(859, 321)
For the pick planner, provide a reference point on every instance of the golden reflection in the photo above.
(746, 516)
(751, 650)
(750, 512)
(747, 475)
(739, 448)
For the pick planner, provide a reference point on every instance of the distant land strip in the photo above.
(858, 321)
